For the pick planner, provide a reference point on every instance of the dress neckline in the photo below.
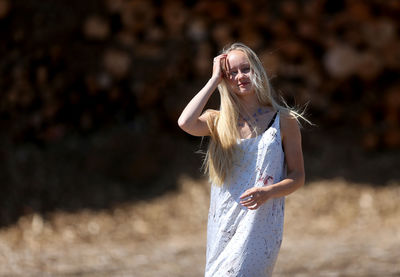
(266, 129)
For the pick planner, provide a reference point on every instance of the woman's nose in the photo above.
(240, 75)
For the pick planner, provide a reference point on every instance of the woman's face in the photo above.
(238, 72)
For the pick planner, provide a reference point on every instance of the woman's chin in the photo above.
(244, 92)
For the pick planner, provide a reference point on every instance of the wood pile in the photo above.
(73, 66)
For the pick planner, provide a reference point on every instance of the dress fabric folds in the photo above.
(243, 242)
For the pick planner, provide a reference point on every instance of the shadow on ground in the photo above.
(94, 172)
(118, 165)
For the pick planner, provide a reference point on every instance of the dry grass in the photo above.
(332, 228)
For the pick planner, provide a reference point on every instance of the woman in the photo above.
(254, 159)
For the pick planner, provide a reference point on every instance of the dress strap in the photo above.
(271, 121)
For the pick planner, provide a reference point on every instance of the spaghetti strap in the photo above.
(271, 122)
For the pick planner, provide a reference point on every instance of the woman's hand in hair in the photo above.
(218, 67)
(192, 120)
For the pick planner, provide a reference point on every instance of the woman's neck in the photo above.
(249, 104)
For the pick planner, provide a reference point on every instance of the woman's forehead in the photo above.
(236, 58)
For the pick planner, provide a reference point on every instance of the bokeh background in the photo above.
(97, 178)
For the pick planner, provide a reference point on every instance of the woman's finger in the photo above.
(217, 68)
(249, 201)
(219, 58)
(247, 193)
(248, 198)
(254, 207)
(251, 205)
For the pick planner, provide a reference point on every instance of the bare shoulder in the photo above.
(209, 114)
(289, 124)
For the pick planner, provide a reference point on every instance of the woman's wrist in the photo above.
(215, 80)
(268, 191)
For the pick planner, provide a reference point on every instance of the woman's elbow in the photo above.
(182, 123)
(298, 178)
(301, 179)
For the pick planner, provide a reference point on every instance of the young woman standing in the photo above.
(254, 159)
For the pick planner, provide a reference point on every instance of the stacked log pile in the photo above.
(77, 66)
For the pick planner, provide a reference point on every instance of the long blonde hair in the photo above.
(223, 124)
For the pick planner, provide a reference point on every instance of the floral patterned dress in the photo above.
(243, 242)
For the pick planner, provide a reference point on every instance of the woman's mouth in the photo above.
(244, 84)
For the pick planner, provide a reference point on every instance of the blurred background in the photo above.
(97, 178)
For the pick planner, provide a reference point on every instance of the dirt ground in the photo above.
(332, 228)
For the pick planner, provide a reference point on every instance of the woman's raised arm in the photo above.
(192, 121)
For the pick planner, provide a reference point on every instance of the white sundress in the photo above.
(243, 242)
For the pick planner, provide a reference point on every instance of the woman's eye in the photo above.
(233, 73)
(246, 70)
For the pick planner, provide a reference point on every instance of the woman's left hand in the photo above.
(254, 197)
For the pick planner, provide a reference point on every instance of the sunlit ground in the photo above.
(332, 228)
